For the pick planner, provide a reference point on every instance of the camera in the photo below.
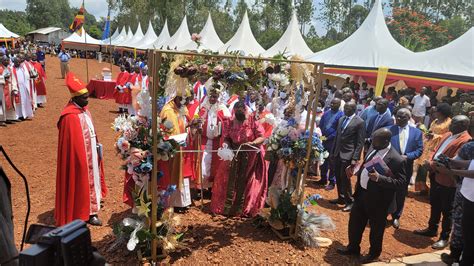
(66, 245)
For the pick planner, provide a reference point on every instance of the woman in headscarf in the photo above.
(240, 186)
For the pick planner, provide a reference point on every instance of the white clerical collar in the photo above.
(350, 117)
(385, 151)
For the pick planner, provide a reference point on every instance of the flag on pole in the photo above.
(106, 33)
(78, 21)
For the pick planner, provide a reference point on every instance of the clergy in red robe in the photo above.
(39, 81)
(80, 183)
(119, 93)
(215, 115)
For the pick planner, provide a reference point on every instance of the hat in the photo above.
(75, 86)
(183, 92)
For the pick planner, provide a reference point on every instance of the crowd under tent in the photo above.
(180, 38)
(209, 38)
(373, 54)
(243, 40)
(291, 42)
(7, 38)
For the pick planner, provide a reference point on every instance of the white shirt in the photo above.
(403, 145)
(445, 144)
(364, 176)
(467, 187)
(420, 104)
(347, 123)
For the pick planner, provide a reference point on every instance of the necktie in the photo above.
(344, 124)
(377, 121)
(402, 140)
(370, 156)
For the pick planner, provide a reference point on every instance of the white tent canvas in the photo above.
(126, 39)
(122, 36)
(149, 38)
(454, 58)
(136, 38)
(371, 45)
(84, 38)
(209, 38)
(180, 38)
(158, 43)
(291, 42)
(243, 40)
(112, 38)
(5, 33)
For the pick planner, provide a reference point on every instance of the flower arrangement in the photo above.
(134, 144)
(197, 39)
(289, 143)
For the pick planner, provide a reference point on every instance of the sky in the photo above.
(98, 8)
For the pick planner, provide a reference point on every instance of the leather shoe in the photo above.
(368, 258)
(441, 244)
(396, 223)
(94, 220)
(347, 252)
(337, 201)
(347, 208)
(425, 232)
(449, 259)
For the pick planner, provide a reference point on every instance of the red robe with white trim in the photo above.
(122, 79)
(39, 82)
(74, 187)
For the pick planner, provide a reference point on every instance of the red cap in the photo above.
(75, 86)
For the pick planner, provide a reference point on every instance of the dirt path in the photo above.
(32, 145)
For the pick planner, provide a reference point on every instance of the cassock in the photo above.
(120, 95)
(21, 82)
(175, 171)
(39, 82)
(32, 75)
(80, 183)
(215, 117)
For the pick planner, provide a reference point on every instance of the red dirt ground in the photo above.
(32, 145)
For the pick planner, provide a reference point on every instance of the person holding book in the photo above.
(382, 174)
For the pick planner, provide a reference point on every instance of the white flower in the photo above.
(274, 146)
(283, 131)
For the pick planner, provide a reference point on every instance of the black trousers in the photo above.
(343, 183)
(360, 215)
(468, 233)
(441, 200)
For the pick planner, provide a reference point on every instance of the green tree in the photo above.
(44, 13)
(305, 12)
(15, 21)
(354, 19)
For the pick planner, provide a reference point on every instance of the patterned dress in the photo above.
(240, 186)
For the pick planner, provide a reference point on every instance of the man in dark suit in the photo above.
(374, 195)
(346, 152)
(408, 142)
(383, 119)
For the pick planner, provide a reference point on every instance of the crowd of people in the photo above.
(22, 83)
(391, 142)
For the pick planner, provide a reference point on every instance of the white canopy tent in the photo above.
(180, 38)
(133, 42)
(291, 42)
(454, 58)
(122, 36)
(161, 39)
(126, 39)
(371, 45)
(209, 38)
(76, 41)
(149, 38)
(112, 38)
(7, 34)
(243, 40)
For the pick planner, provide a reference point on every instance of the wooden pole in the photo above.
(318, 72)
(156, 64)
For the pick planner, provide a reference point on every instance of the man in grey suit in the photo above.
(346, 152)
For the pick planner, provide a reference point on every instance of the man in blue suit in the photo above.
(408, 141)
(381, 120)
(328, 126)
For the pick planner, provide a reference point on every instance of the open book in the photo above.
(180, 138)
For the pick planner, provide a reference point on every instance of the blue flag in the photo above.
(106, 33)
